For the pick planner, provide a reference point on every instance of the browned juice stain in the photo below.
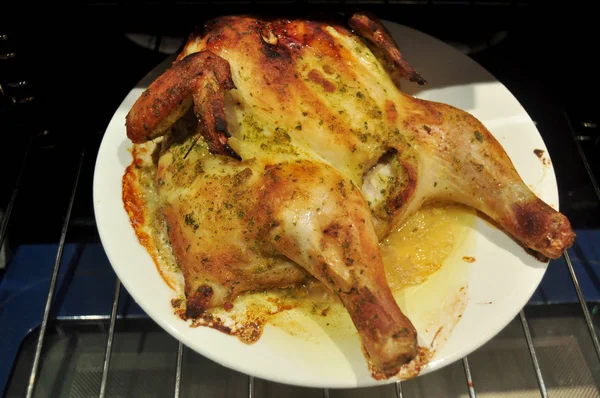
(540, 154)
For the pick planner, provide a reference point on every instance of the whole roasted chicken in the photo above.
(290, 150)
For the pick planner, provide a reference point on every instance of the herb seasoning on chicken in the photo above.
(289, 152)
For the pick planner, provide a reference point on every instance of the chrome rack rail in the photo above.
(178, 369)
(251, 391)
(468, 376)
(61, 246)
(111, 334)
(398, 389)
(534, 360)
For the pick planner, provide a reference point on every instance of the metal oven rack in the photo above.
(14, 92)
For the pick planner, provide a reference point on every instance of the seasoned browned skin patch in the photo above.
(530, 226)
(198, 301)
(332, 229)
(390, 111)
(225, 264)
(224, 210)
(296, 34)
(430, 113)
(318, 78)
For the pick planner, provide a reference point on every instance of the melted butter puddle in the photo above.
(427, 272)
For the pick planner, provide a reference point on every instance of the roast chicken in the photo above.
(290, 151)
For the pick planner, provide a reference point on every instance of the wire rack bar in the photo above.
(61, 245)
(251, 387)
(398, 389)
(178, 369)
(586, 311)
(325, 393)
(109, 340)
(95, 318)
(469, 378)
(534, 360)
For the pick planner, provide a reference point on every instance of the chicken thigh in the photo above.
(303, 151)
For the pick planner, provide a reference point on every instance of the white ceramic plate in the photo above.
(500, 282)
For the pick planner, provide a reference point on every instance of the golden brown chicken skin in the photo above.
(200, 79)
(326, 156)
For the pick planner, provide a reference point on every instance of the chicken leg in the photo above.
(444, 153)
(322, 222)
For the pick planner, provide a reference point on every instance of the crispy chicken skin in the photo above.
(319, 156)
(202, 77)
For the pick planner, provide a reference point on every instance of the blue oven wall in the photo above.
(85, 286)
